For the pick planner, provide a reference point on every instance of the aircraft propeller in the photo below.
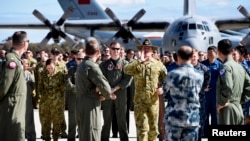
(55, 28)
(125, 30)
(244, 12)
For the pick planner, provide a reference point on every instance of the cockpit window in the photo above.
(205, 23)
(178, 27)
(199, 26)
(192, 26)
(184, 27)
(206, 28)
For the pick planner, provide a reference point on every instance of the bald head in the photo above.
(185, 53)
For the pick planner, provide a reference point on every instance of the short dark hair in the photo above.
(241, 49)
(129, 50)
(185, 53)
(74, 52)
(225, 46)
(49, 61)
(92, 46)
(212, 48)
(55, 51)
(18, 37)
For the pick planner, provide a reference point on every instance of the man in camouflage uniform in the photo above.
(37, 71)
(51, 109)
(182, 113)
(13, 91)
(60, 65)
(233, 87)
(148, 74)
(113, 70)
(91, 88)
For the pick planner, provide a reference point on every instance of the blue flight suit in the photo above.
(211, 94)
(71, 64)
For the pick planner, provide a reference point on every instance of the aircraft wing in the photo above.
(105, 25)
(232, 23)
(23, 26)
(111, 26)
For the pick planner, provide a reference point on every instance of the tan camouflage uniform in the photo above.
(52, 102)
(147, 77)
(61, 66)
(37, 71)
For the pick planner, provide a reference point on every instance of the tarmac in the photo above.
(132, 129)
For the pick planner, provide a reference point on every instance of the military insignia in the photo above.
(222, 71)
(12, 65)
(110, 67)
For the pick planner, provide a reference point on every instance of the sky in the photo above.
(16, 11)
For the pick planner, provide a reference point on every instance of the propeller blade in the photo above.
(137, 16)
(112, 15)
(245, 40)
(45, 41)
(64, 16)
(133, 38)
(114, 38)
(117, 34)
(244, 11)
(67, 38)
(41, 17)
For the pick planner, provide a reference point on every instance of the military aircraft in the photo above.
(190, 29)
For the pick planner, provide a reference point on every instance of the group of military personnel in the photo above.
(89, 83)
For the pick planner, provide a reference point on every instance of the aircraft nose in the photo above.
(196, 43)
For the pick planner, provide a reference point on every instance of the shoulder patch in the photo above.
(12, 65)
(222, 71)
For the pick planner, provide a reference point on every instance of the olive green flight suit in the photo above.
(116, 77)
(233, 86)
(71, 102)
(13, 93)
(88, 105)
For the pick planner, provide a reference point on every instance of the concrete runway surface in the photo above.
(132, 129)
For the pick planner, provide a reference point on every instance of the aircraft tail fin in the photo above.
(84, 9)
(189, 7)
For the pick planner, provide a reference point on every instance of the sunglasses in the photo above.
(115, 48)
(201, 54)
(79, 59)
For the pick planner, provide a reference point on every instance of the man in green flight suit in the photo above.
(91, 88)
(113, 71)
(13, 91)
(233, 87)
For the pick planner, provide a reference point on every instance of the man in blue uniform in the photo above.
(210, 108)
